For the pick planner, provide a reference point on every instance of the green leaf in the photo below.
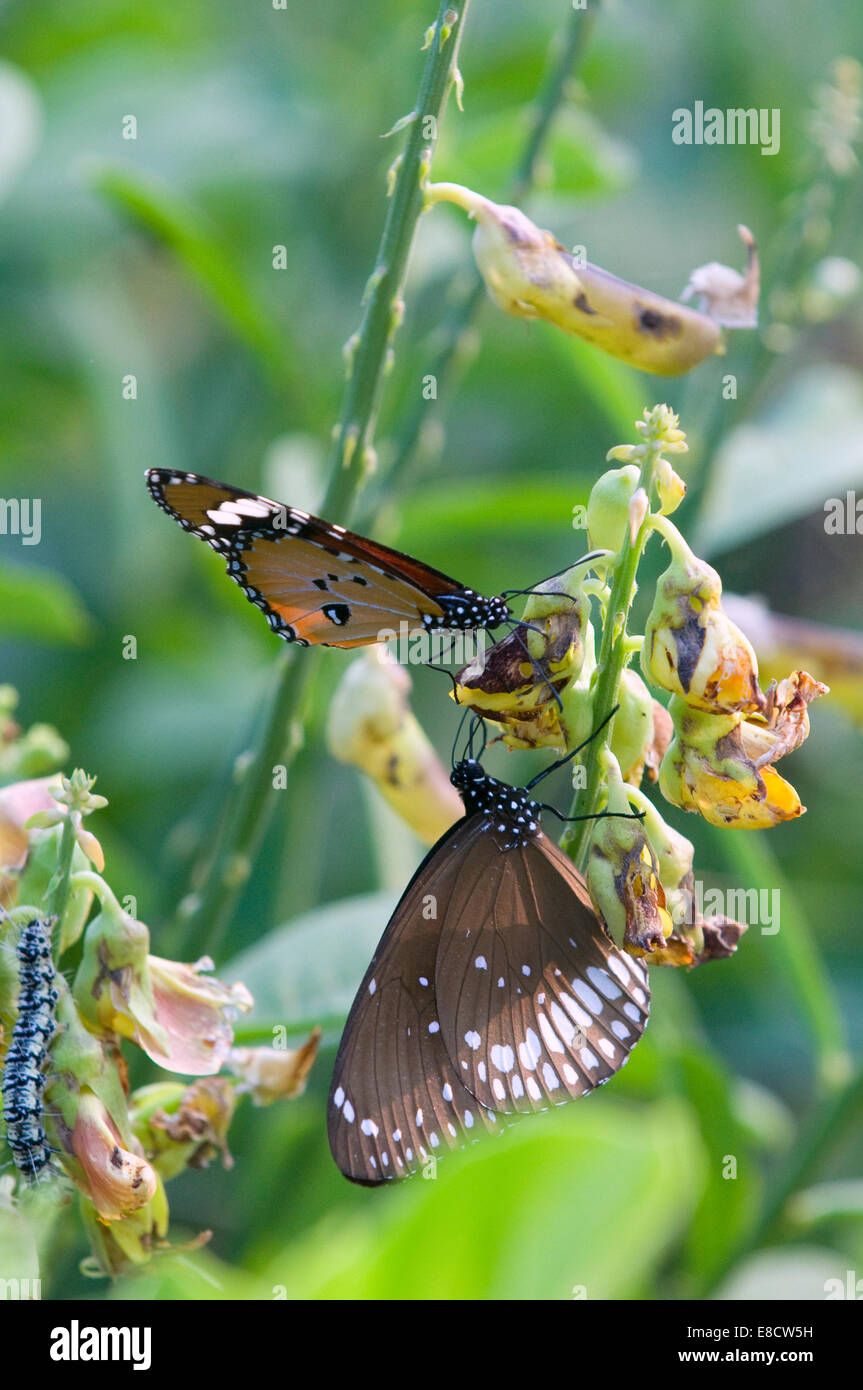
(20, 124)
(579, 156)
(183, 230)
(827, 1201)
(310, 970)
(581, 1198)
(728, 1201)
(810, 1273)
(41, 606)
(804, 449)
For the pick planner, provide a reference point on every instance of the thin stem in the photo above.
(368, 352)
(551, 97)
(58, 895)
(454, 332)
(824, 1129)
(204, 915)
(614, 653)
(797, 955)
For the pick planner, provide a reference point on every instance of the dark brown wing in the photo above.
(315, 582)
(396, 1101)
(537, 1005)
(449, 1028)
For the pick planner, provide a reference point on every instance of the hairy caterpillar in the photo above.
(23, 1067)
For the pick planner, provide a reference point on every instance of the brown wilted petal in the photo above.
(721, 936)
(203, 1119)
(272, 1073)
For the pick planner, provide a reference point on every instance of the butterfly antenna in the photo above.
(452, 757)
(535, 665)
(585, 560)
(432, 666)
(547, 771)
(595, 815)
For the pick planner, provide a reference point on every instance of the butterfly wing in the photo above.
(315, 583)
(447, 1028)
(537, 1005)
(396, 1099)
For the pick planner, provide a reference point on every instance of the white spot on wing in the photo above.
(502, 1057)
(587, 996)
(603, 982)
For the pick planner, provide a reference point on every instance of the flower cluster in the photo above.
(694, 720)
(119, 1149)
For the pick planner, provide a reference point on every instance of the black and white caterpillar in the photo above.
(24, 1064)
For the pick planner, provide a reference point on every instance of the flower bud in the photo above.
(691, 647)
(632, 731)
(371, 725)
(670, 487)
(39, 869)
(608, 507)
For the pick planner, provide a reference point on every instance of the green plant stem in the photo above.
(796, 953)
(825, 1127)
(368, 352)
(204, 915)
(614, 652)
(454, 332)
(58, 897)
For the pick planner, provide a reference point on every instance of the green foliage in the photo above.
(155, 258)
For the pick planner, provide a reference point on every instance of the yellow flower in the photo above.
(529, 274)
(720, 765)
(519, 682)
(691, 647)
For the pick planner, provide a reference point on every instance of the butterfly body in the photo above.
(317, 583)
(493, 991)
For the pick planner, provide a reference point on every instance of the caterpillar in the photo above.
(24, 1065)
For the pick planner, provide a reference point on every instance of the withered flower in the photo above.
(529, 274)
(274, 1073)
(691, 646)
(519, 682)
(623, 874)
(720, 765)
(117, 1181)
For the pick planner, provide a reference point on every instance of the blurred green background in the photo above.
(259, 127)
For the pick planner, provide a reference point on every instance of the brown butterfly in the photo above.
(494, 990)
